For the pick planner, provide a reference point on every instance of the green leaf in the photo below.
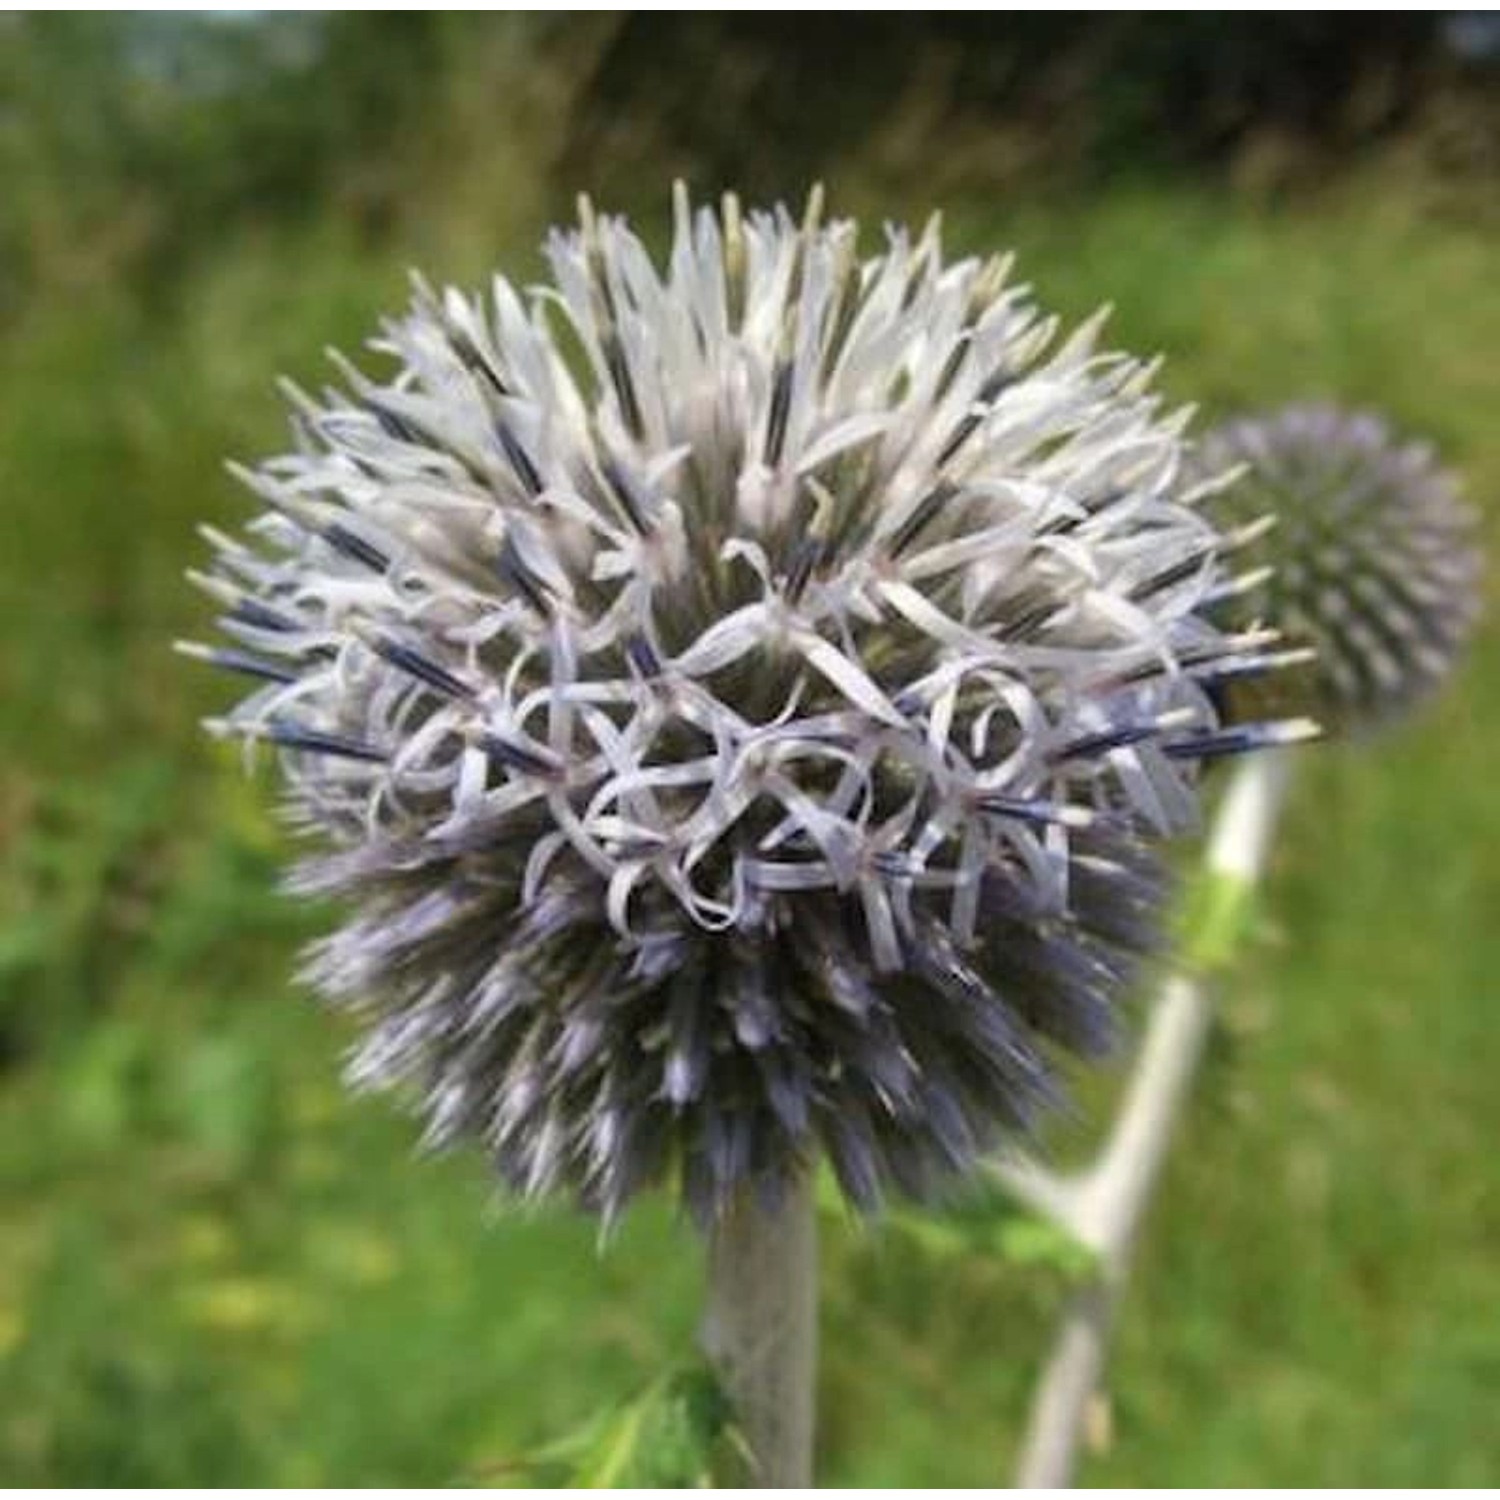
(1026, 1240)
(987, 1224)
(676, 1434)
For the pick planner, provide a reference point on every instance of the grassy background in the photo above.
(215, 1268)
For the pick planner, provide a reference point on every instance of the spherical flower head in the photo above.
(1360, 549)
(733, 698)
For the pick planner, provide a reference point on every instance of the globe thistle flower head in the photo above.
(733, 698)
(1372, 565)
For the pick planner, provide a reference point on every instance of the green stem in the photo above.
(760, 1328)
(1105, 1205)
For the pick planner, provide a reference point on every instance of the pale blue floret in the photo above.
(734, 698)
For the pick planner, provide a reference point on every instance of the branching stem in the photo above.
(1103, 1206)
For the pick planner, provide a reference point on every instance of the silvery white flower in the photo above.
(733, 697)
(1373, 559)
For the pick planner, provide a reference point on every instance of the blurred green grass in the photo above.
(216, 1269)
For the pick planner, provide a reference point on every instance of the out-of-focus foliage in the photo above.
(965, 96)
(128, 141)
(131, 142)
(214, 1267)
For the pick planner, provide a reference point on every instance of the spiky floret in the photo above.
(1365, 554)
(736, 695)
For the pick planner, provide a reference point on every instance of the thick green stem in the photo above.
(760, 1328)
